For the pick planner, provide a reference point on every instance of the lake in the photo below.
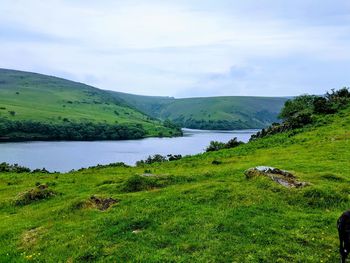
(64, 156)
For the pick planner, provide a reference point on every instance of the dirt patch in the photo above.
(102, 203)
(40, 192)
(30, 237)
(281, 177)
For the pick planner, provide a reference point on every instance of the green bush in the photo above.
(5, 167)
(303, 110)
(40, 192)
(216, 146)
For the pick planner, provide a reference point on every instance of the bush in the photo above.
(301, 105)
(302, 110)
(215, 145)
(157, 158)
(40, 192)
(233, 143)
(5, 167)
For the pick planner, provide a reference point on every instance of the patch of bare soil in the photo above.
(102, 203)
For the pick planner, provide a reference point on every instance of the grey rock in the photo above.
(281, 177)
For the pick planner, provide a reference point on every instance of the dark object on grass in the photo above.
(343, 225)
(102, 203)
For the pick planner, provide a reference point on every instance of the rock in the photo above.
(281, 177)
(148, 175)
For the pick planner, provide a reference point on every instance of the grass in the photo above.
(191, 209)
(245, 112)
(36, 97)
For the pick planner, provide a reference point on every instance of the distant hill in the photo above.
(33, 106)
(225, 113)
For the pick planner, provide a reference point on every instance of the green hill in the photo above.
(190, 210)
(223, 113)
(34, 100)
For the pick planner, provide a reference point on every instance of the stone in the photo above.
(281, 177)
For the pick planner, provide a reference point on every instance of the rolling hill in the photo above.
(48, 100)
(197, 209)
(220, 113)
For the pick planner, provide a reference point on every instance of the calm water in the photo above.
(64, 156)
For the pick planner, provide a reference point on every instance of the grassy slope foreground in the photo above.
(210, 113)
(34, 97)
(192, 210)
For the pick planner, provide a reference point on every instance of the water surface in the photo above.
(64, 156)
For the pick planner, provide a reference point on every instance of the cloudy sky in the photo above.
(182, 48)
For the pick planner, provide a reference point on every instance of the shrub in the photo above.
(40, 192)
(157, 158)
(215, 145)
(303, 104)
(5, 167)
(302, 110)
(174, 157)
(233, 143)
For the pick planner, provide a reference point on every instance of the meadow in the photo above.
(201, 208)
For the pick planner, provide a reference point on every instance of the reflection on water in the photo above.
(64, 156)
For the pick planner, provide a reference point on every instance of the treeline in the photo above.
(158, 158)
(257, 120)
(212, 125)
(33, 130)
(15, 168)
(304, 109)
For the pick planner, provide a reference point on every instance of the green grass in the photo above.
(49, 99)
(192, 210)
(241, 112)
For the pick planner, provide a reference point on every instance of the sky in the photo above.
(182, 48)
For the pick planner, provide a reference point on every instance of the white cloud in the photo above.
(176, 47)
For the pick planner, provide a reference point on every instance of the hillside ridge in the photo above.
(218, 113)
(33, 106)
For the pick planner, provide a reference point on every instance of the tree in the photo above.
(215, 146)
(300, 104)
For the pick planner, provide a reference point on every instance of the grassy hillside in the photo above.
(28, 96)
(191, 210)
(210, 113)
